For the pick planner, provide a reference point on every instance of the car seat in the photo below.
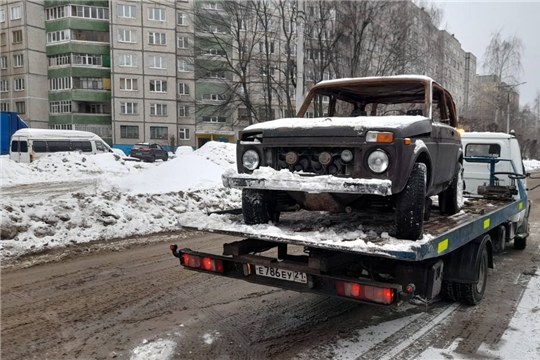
(358, 112)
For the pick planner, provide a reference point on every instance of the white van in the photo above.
(28, 145)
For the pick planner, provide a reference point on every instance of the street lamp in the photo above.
(508, 103)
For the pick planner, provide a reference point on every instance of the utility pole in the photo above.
(511, 87)
(300, 18)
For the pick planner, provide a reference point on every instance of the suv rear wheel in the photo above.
(410, 205)
(451, 199)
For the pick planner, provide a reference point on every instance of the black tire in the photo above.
(254, 207)
(450, 200)
(152, 158)
(472, 294)
(449, 291)
(410, 205)
(166, 157)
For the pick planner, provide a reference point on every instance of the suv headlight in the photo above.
(378, 161)
(250, 160)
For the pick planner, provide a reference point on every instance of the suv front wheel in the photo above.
(410, 205)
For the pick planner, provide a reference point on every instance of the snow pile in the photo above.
(66, 165)
(121, 199)
(155, 350)
(532, 165)
(223, 154)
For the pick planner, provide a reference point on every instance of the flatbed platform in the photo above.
(366, 233)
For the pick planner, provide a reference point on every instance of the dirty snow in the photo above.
(154, 350)
(531, 165)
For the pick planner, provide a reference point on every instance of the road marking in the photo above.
(412, 339)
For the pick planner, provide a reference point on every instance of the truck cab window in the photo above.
(23, 146)
(14, 146)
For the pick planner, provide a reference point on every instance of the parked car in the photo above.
(149, 152)
(380, 143)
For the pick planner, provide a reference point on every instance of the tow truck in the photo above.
(355, 256)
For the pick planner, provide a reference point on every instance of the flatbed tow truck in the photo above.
(354, 256)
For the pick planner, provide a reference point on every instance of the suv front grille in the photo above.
(308, 161)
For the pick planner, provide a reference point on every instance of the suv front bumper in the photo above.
(284, 180)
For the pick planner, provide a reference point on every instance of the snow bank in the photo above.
(532, 165)
(222, 154)
(155, 350)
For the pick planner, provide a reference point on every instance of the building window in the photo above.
(181, 19)
(216, 74)
(159, 132)
(63, 83)
(87, 59)
(129, 36)
(210, 51)
(182, 42)
(4, 106)
(88, 83)
(158, 109)
(183, 134)
(158, 86)
(309, 114)
(128, 84)
(156, 14)
(17, 36)
(214, 119)
(3, 39)
(128, 60)
(62, 59)
(184, 66)
(129, 132)
(157, 62)
(18, 84)
(90, 12)
(4, 86)
(16, 13)
(18, 61)
(126, 11)
(263, 47)
(2, 15)
(183, 89)
(58, 12)
(213, 97)
(58, 36)
(56, 107)
(89, 35)
(3, 62)
(183, 111)
(157, 38)
(20, 107)
(212, 6)
(129, 108)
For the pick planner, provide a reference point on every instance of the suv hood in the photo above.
(401, 126)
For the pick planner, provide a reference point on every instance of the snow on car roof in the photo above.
(55, 134)
(375, 78)
(359, 122)
(486, 135)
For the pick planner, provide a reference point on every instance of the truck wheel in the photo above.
(410, 205)
(472, 294)
(449, 291)
(254, 207)
(451, 199)
(520, 243)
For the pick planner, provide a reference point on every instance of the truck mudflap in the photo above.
(269, 179)
(292, 275)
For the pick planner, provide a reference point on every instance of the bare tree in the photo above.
(503, 59)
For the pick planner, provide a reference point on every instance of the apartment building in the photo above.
(23, 66)
(78, 60)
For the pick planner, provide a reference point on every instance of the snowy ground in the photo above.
(69, 198)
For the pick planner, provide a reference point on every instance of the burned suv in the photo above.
(378, 143)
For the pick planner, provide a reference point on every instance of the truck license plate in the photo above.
(288, 275)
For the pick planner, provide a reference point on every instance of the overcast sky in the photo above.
(473, 23)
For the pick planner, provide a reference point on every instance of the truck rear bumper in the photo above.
(286, 181)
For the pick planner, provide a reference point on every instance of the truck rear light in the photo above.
(365, 292)
(203, 263)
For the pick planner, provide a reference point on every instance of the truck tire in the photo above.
(449, 291)
(254, 207)
(451, 199)
(410, 205)
(472, 294)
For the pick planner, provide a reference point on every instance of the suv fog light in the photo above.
(325, 158)
(291, 158)
(250, 160)
(378, 161)
(346, 155)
